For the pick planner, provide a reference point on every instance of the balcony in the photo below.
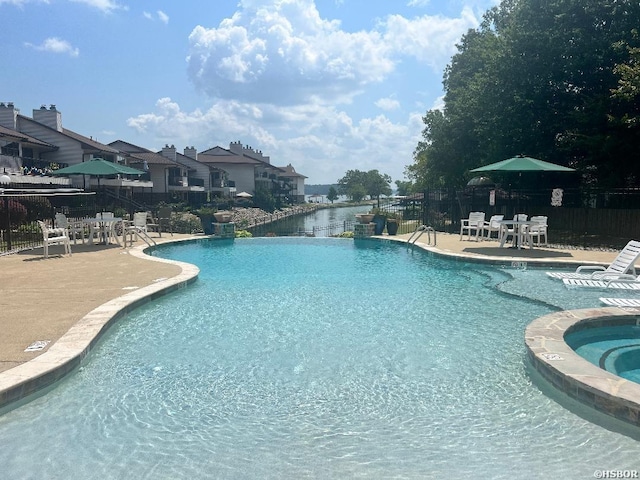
(186, 184)
(120, 182)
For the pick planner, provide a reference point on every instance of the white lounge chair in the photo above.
(619, 283)
(622, 267)
(54, 236)
(621, 302)
(475, 222)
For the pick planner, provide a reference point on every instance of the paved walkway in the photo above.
(41, 299)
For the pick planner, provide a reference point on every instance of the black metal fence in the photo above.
(19, 213)
(581, 217)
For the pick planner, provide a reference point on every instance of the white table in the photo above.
(105, 225)
(519, 227)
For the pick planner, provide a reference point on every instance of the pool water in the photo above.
(316, 358)
(615, 349)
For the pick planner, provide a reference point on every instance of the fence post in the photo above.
(8, 229)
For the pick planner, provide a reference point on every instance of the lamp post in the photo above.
(6, 180)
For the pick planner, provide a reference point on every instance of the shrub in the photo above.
(187, 223)
(243, 234)
(17, 211)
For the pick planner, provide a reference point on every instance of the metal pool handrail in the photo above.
(419, 231)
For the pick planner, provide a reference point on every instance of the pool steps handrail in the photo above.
(418, 232)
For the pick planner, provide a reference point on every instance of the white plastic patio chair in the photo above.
(72, 228)
(54, 236)
(622, 267)
(517, 233)
(164, 220)
(493, 225)
(105, 232)
(537, 230)
(474, 223)
(138, 228)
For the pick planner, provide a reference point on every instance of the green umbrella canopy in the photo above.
(96, 168)
(523, 164)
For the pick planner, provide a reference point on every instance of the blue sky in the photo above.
(326, 85)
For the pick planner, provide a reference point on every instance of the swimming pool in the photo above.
(316, 358)
(615, 349)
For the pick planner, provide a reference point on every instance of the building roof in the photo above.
(139, 155)
(87, 142)
(219, 155)
(290, 172)
(90, 143)
(16, 136)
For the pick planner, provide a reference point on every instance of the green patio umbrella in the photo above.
(521, 163)
(98, 167)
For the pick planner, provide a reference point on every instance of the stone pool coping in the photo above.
(568, 372)
(70, 350)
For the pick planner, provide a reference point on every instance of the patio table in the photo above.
(104, 226)
(519, 229)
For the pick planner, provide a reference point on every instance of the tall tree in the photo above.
(535, 78)
(332, 195)
(356, 183)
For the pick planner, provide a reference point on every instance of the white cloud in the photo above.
(387, 104)
(106, 6)
(438, 104)
(163, 17)
(418, 3)
(56, 45)
(284, 53)
(20, 3)
(429, 39)
(320, 140)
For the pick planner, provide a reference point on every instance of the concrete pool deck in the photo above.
(67, 302)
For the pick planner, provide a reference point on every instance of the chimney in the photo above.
(9, 115)
(169, 152)
(236, 147)
(50, 117)
(191, 152)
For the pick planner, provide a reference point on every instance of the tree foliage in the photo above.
(552, 79)
(357, 184)
(332, 196)
(263, 198)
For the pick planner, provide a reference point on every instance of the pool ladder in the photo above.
(421, 230)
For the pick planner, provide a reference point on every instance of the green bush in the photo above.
(187, 223)
(243, 234)
(18, 213)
